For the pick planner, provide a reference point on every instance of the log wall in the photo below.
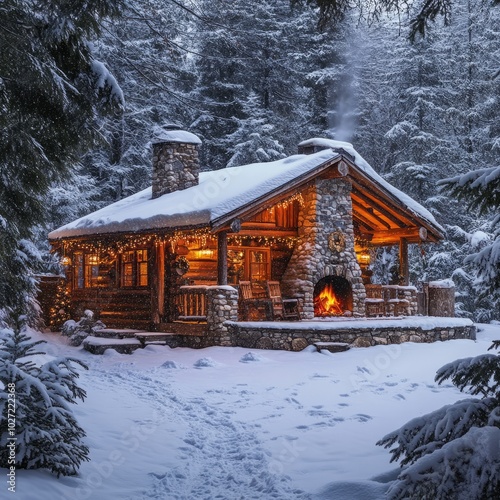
(116, 308)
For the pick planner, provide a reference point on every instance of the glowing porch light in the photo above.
(364, 258)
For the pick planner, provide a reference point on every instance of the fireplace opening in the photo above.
(332, 296)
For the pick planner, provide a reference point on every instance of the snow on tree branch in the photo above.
(463, 469)
(427, 433)
(426, 10)
(478, 375)
(105, 80)
(453, 452)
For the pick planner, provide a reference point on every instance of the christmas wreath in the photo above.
(181, 265)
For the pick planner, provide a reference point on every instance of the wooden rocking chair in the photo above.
(282, 308)
(246, 290)
(251, 305)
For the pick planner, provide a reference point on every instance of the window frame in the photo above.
(85, 270)
(248, 263)
(134, 268)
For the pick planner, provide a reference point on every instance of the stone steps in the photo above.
(332, 346)
(117, 333)
(97, 345)
(154, 337)
(125, 341)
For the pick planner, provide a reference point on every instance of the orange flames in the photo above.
(326, 303)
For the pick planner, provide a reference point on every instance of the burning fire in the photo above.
(326, 303)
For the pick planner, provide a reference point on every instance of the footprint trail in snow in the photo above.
(219, 458)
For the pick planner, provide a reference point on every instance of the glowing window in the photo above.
(135, 268)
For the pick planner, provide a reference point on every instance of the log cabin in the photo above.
(307, 221)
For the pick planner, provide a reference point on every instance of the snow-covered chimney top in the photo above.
(176, 164)
(172, 132)
(311, 146)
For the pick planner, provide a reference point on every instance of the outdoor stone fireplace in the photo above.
(332, 296)
(324, 259)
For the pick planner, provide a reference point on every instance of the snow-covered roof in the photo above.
(219, 193)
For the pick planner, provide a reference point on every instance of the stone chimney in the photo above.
(176, 164)
(309, 148)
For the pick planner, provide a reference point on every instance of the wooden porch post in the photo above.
(222, 258)
(403, 261)
(158, 283)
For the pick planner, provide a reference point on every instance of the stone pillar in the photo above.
(297, 281)
(222, 305)
(327, 212)
(409, 293)
(176, 164)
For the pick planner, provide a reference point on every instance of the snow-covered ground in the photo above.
(233, 423)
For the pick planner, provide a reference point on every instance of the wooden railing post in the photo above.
(191, 303)
(157, 282)
(403, 261)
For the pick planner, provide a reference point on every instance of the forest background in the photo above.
(252, 80)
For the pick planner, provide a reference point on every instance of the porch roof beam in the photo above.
(370, 215)
(377, 197)
(371, 226)
(358, 219)
(394, 236)
(378, 206)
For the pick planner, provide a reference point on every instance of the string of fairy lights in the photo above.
(268, 241)
(195, 239)
(199, 238)
(287, 201)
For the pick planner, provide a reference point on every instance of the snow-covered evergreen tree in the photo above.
(453, 452)
(481, 189)
(46, 434)
(148, 49)
(51, 89)
(79, 331)
(253, 140)
(271, 55)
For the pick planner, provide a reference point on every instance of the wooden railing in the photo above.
(191, 303)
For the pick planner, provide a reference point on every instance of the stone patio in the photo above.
(295, 336)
